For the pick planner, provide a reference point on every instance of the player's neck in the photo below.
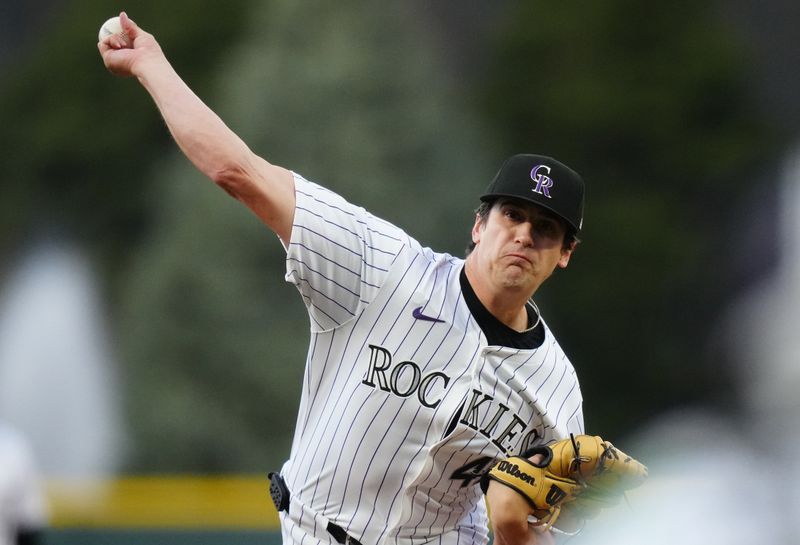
(506, 305)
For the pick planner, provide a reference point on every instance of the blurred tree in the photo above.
(651, 103)
(77, 144)
(350, 95)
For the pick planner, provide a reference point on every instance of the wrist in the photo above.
(149, 65)
(154, 73)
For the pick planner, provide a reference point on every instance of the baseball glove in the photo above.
(582, 475)
(604, 471)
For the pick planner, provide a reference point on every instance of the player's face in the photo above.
(519, 245)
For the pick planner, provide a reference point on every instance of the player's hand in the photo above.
(128, 57)
(509, 511)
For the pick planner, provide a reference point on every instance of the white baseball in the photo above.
(112, 26)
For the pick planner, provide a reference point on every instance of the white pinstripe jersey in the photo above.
(404, 404)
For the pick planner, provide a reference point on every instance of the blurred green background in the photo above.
(677, 114)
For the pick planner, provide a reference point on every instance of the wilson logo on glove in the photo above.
(514, 471)
(555, 495)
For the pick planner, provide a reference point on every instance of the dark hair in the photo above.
(570, 234)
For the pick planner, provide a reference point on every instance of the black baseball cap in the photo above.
(541, 180)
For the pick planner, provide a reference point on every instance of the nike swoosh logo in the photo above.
(417, 313)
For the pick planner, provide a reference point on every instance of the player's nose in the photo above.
(523, 234)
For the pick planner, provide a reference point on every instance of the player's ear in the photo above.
(477, 229)
(566, 253)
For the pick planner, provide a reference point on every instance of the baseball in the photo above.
(112, 26)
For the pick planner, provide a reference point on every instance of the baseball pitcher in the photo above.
(433, 385)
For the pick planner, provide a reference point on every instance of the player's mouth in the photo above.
(519, 257)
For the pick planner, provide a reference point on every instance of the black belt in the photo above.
(340, 535)
(280, 497)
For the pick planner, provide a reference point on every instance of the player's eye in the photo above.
(546, 228)
(512, 214)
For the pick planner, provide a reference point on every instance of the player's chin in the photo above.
(517, 280)
(521, 267)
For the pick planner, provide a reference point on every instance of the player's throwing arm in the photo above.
(268, 190)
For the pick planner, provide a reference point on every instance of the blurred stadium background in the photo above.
(152, 354)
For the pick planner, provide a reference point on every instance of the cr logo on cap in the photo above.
(543, 182)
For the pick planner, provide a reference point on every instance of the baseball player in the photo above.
(423, 369)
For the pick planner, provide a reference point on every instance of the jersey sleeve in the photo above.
(338, 255)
